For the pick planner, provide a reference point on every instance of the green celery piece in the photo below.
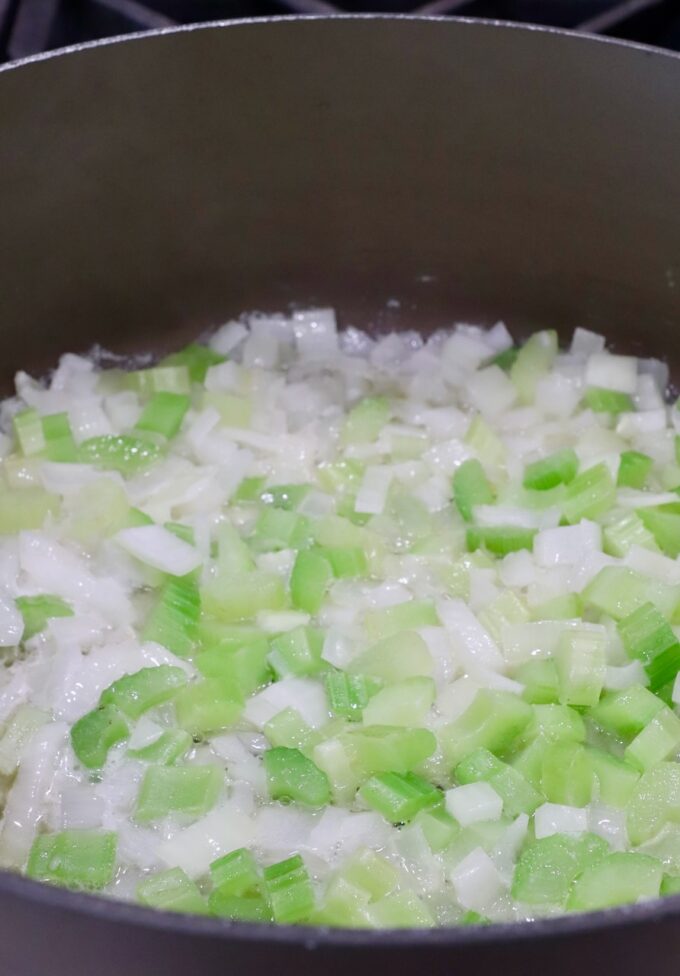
(659, 740)
(160, 379)
(288, 728)
(567, 607)
(278, 528)
(292, 776)
(589, 495)
(348, 694)
(100, 509)
(400, 910)
(246, 908)
(119, 452)
(471, 487)
(517, 793)
(340, 477)
(83, 859)
(183, 532)
(59, 443)
(581, 667)
(624, 529)
(24, 723)
(172, 891)
(344, 905)
(395, 658)
(500, 539)
(25, 508)
(242, 666)
(196, 358)
(370, 872)
(505, 610)
(37, 610)
(207, 706)
(663, 521)
(243, 596)
(96, 732)
(250, 489)
(473, 918)
(655, 802)
(236, 873)
(136, 517)
(648, 636)
(309, 581)
(534, 360)
(297, 652)
(601, 400)
(539, 677)
(670, 884)
(188, 790)
(494, 720)
(634, 468)
(135, 693)
(485, 442)
(28, 430)
(288, 497)
(289, 890)
(336, 530)
(556, 469)
(410, 615)
(614, 778)
(617, 591)
(234, 411)
(618, 878)
(438, 827)
(399, 796)
(233, 555)
(547, 868)
(627, 712)
(347, 563)
(173, 621)
(170, 746)
(406, 703)
(384, 748)
(554, 723)
(567, 774)
(365, 421)
(504, 359)
(164, 413)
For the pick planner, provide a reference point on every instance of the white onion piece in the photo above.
(193, 849)
(158, 547)
(11, 621)
(472, 643)
(474, 802)
(612, 372)
(567, 544)
(556, 818)
(477, 881)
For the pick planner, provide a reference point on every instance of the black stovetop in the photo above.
(30, 26)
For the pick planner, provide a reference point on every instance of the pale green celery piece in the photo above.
(567, 774)
(343, 905)
(341, 476)
(96, 732)
(659, 740)
(589, 495)
(534, 359)
(670, 885)
(547, 868)
(26, 508)
(403, 909)
(297, 652)
(581, 667)
(541, 684)
(333, 757)
(196, 358)
(173, 622)
(666, 847)
(624, 529)
(335, 531)
(395, 658)
(567, 607)
(615, 779)
(25, 721)
(172, 891)
(82, 859)
(234, 411)
(404, 703)
(207, 706)
(241, 597)
(553, 722)
(470, 488)
(383, 748)
(634, 469)
(288, 728)
(669, 476)
(346, 562)
(289, 890)
(438, 827)
(365, 421)
(485, 443)
(233, 555)
(626, 712)
(135, 693)
(655, 802)
(164, 414)
(309, 580)
(617, 591)
(398, 797)
(663, 521)
(372, 873)
(100, 509)
(170, 746)
(236, 873)
(158, 379)
(125, 453)
(37, 610)
(278, 528)
(548, 472)
(187, 790)
(241, 665)
(618, 878)
(291, 776)
(410, 615)
(28, 430)
(494, 720)
(517, 793)
(508, 608)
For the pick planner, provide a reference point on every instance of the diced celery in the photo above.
(100, 509)
(555, 723)
(655, 802)
(567, 607)
(292, 776)
(618, 878)
(405, 703)
(242, 666)
(601, 400)
(96, 732)
(278, 528)
(383, 748)
(188, 790)
(648, 636)
(288, 728)
(309, 580)
(438, 827)
(340, 476)
(161, 379)
(28, 430)
(174, 619)
(615, 779)
(37, 610)
(207, 706)
(504, 359)
(399, 796)
(663, 521)
(471, 487)
(634, 468)
(581, 667)
(500, 539)
(233, 555)
(589, 495)
(547, 868)
(297, 652)
(401, 909)
(164, 413)
(59, 443)
(670, 884)
(25, 721)
(556, 469)
(333, 757)
(242, 597)
(135, 693)
(335, 531)
(74, 858)
(485, 442)
(473, 918)
(170, 746)
(395, 658)
(246, 908)
(624, 529)
(567, 774)
(627, 712)
(659, 739)
(289, 890)
(402, 616)
(344, 904)
(119, 452)
(348, 694)
(25, 508)
(250, 489)
(494, 720)
(618, 591)
(347, 563)
(517, 793)
(172, 891)
(365, 421)
(197, 359)
(236, 873)
(534, 359)
(234, 411)
(288, 497)
(183, 532)
(539, 677)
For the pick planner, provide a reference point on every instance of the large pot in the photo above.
(407, 171)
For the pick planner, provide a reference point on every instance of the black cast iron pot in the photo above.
(153, 187)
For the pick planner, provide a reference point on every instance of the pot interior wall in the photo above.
(153, 188)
